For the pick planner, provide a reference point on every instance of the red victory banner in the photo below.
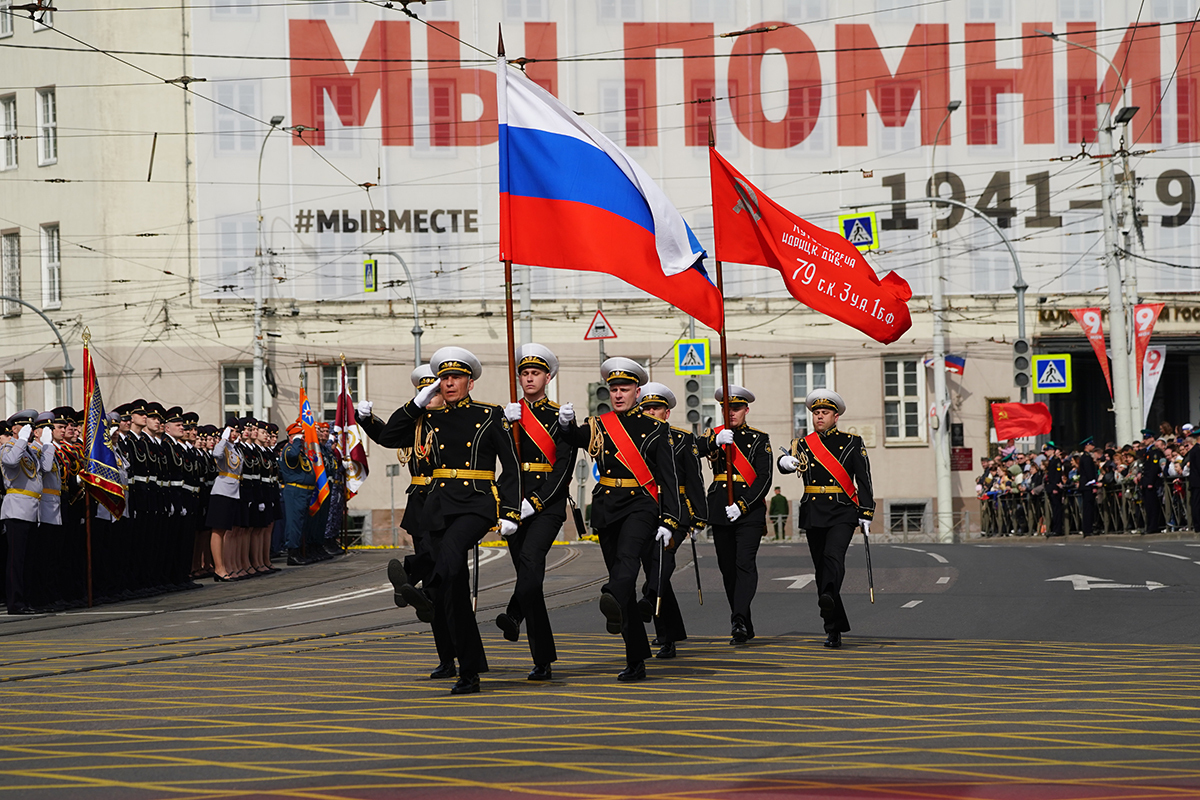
(1093, 327)
(820, 268)
(1144, 317)
(1014, 420)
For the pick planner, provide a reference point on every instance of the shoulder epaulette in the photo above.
(492, 406)
(756, 430)
(680, 430)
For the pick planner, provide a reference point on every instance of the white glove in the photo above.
(566, 414)
(527, 509)
(424, 396)
(725, 437)
(733, 512)
(364, 408)
(866, 525)
(25, 432)
(47, 435)
(225, 434)
(507, 528)
(183, 511)
(663, 536)
(261, 507)
(788, 464)
(512, 412)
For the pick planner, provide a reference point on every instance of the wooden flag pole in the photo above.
(712, 143)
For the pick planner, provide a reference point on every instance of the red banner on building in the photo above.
(1144, 317)
(1093, 327)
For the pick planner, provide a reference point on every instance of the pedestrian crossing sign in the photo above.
(860, 229)
(692, 357)
(1052, 374)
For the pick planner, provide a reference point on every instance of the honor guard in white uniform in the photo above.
(25, 460)
(546, 464)
(837, 499)
(635, 502)
(657, 400)
(738, 531)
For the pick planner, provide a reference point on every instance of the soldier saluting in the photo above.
(738, 536)
(635, 503)
(26, 461)
(837, 498)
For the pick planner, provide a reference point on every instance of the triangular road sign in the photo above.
(600, 329)
(692, 358)
(858, 234)
(1051, 376)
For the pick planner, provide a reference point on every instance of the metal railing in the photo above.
(1119, 509)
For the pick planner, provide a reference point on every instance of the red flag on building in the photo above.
(1092, 323)
(1014, 420)
(820, 268)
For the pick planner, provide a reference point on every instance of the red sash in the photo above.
(740, 462)
(538, 433)
(628, 453)
(835, 468)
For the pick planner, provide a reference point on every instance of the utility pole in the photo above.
(1124, 382)
(257, 389)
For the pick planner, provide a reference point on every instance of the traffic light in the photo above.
(691, 401)
(598, 399)
(1022, 362)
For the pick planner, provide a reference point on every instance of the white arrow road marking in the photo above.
(1169, 555)
(1083, 583)
(1120, 547)
(936, 557)
(912, 604)
(944, 579)
(798, 581)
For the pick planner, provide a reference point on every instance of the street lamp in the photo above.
(941, 441)
(412, 293)
(258, 286)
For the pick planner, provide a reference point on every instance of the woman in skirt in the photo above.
(224, 505)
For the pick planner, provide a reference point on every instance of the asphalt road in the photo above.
(1005, 668)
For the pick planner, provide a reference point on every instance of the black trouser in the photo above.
(44, 562)
(828, 548)
(737, 553)
(419, 564)
(450, 584)
(528, 548)
(1056, 513)
(19, 533)
(622, 543)
(1194, 501)
(668, 622)
(1152, 508)
(1087, 511)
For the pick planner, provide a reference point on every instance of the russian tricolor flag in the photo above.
(571, 199)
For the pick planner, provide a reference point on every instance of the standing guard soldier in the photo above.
(657, 401)
(738, 536)
(138, 500)
(1055, 486)
(464, 439)
(181, 515)
(25, 461)
(1151, 482)
(412, 450)
(1089, 475)
(50, 551)
(836, 481)
(635, 502)
(160, 508)
(546, 463)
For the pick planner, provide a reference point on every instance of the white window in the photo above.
(1175, 247)
(895, 11)
(987, 10)
(903, 388)
(525, 9)
(806, 377)
(620, 10)
(14, 392)
(443, 9)
(234, 115)
(236, 243)
(10, 266)
(1079, 10)
(55, 388)
(612, 110)
(44, 20)
(797, 10)
(8, 119)
(337, 274)
(1082, 266)
(6, 25)
(241, 10)
(992, 270)
(237, 390)
(47, 121)
(905, 516)
(712, 10)
(331, 386)
(1172, 10)
(51, 268)
(337, 10)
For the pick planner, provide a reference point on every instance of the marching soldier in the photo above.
(25, 461)
(464, 439)
(635, 503)
(412, 450)
(836, 477)
(546, 463)
(657, 401)
(738, 536)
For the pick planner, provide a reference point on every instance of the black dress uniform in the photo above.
(1054, 485)
(1192, 462)
(1089, 474)
(625, 514)
(827, 514)
(737, 541)
(466, 499)
(1151, 483)
(545, 482)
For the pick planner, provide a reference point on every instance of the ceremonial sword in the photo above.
(867, 547)
(475, 588)
(696, 564)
